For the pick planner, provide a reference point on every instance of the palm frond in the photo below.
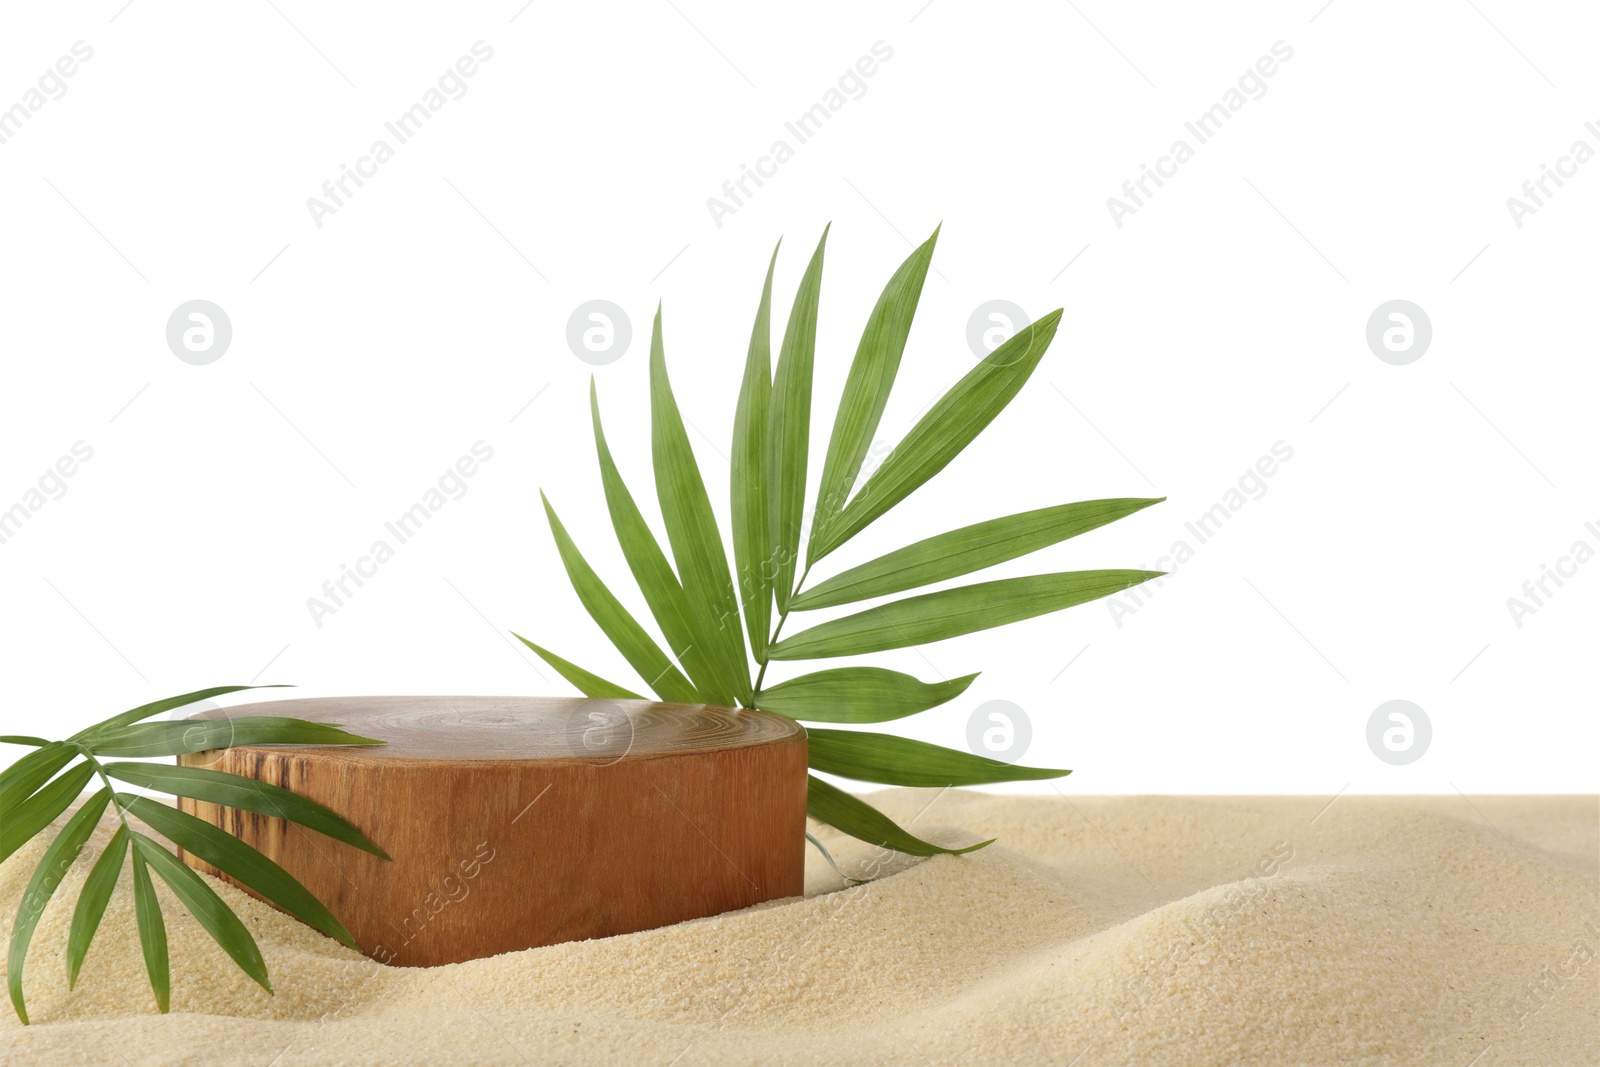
(699, 606)
(39, 787)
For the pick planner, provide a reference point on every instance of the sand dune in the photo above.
(1100, 930)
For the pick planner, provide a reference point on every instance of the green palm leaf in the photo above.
(42, 886)
(590, 685)
(30, 772)
(952, 612)
(866, 390)
(144, 711)
(971, 548)
(152, 934)
(752, 531)
(857, 694)
(643, 654)
(245, 794)
(873, 757)
(175, 737)
(92, 900)
(948, 427)
(692, 527)
(207, 907)
(789, 428)
(660, 586)
(25, 820)
(239, 861)
(852, 815)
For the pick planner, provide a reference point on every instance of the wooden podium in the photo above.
(514, 822)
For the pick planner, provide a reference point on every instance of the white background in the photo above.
(429, 313)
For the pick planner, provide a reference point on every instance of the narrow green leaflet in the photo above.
(239, 861)
(789, 428)
(752, 532)
(692, 527)
(642, 653)
(42, 886)
(854, 816)
(953, 612)
(144, 711)
(92, 900)
(209, 910)
(590, 685)
(948, 427)
(23, 739)
(30, 772)
(660, 586)
(25, 820)
(177, 736)
(246, 794)
(152, 934)
(857, 694)
(971, 548)
(890, 760)
(866, 390)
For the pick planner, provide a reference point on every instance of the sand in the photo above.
(1100, 930)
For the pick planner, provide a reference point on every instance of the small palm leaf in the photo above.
(866, 390)
(890, 760)
(590, 685)
(789, 428)
(26, 819)
(245, 794)
(952, 612)
(949, 426)
(854, 816)
(42, 886)
(145, 711)
(660, 586)
(178, 736)
(239, 861)
(206, 906)
(92, 900)
(971, 548)
(22, 778)
(752, 530)
(152, 934)
(692, 527)
(643, 654)
(857, 694)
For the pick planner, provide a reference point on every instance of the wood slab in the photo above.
(514, 822)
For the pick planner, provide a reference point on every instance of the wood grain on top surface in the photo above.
(523, 728)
